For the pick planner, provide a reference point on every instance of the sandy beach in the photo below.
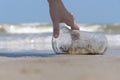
(30, 56)
(61, 67)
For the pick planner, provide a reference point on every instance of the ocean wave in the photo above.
(44, 27)
(25, 28)
(106, 28)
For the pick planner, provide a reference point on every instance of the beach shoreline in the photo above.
(61, 67)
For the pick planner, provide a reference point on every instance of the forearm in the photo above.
(56, 4)
(53, 0)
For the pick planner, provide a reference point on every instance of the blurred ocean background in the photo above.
(35, 38)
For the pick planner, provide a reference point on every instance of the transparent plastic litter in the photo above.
(79, 42)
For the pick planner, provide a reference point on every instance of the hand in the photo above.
(59, 14)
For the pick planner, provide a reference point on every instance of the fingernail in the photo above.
(56, 36)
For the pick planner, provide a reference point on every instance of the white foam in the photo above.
(113, 41)
(26, 29)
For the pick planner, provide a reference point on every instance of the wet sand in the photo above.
(61, 67)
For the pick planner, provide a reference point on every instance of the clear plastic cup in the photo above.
(79, 42)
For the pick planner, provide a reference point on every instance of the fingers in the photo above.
(71, 22)
(75, 26)
(56, 29)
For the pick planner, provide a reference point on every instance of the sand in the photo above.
(62, 67)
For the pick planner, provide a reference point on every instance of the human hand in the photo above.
(59, 14)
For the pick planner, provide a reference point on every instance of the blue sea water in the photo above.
(34, 39)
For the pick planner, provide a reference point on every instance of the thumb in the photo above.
(56, 29)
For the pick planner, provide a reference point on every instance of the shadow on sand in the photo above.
(28, 54)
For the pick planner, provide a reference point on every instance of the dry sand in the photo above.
(63, 67)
